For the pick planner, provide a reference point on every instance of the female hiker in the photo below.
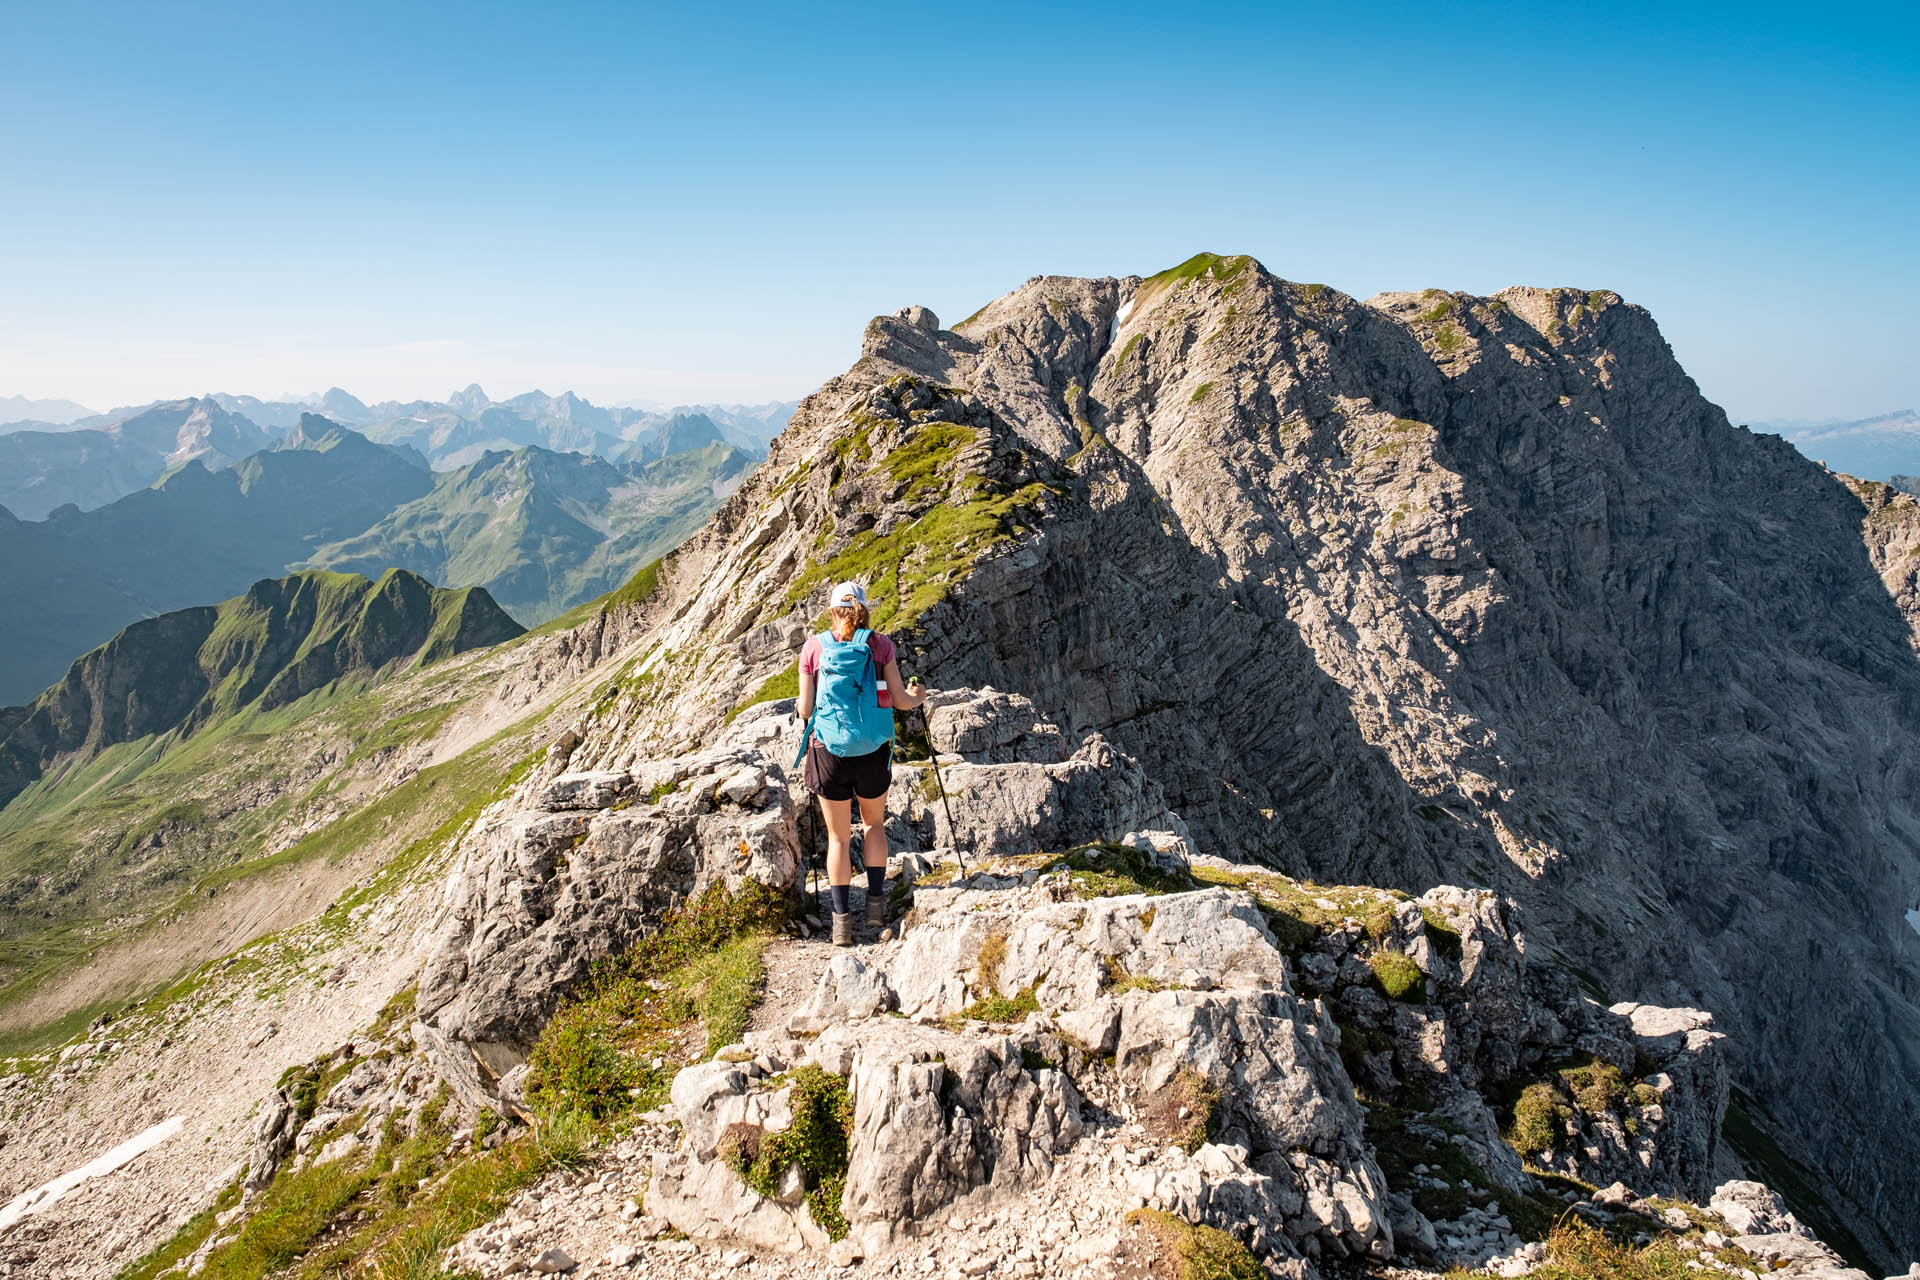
(849, 689)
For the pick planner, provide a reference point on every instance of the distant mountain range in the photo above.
(48, 467)
(92, 459)
(24, 408)
(548, 530)
(1875, 448)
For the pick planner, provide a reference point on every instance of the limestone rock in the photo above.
(538, 896)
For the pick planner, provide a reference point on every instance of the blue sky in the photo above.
(698, 203)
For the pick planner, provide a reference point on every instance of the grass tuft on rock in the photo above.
(615, 1046)
(784, 683)
(1202, 1253)
(1539, 1120)
(999, 1008)
(1444, 937)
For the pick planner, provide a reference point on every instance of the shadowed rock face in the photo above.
(1425, 589)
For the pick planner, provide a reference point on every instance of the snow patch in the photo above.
(44, 1197)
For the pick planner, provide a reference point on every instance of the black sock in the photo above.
(876, 880)
(841, 905)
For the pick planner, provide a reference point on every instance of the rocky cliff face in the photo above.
(1428, 588)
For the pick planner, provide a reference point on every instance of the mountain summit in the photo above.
(1428, 588)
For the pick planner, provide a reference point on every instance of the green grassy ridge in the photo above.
(281, 640)
(962, 515)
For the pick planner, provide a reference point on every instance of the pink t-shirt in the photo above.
(883, 653)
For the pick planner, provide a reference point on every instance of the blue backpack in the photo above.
(847, 715)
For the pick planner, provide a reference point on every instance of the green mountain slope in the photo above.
(71, 582)
(225, 767)
(543, 531)
(282, 640)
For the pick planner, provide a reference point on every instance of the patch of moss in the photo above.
(1115, 870)
(1597, 1086)
(1200, 393)
(999, 1008)
(1293, 907)
(1539, 1120)
(1397, 976)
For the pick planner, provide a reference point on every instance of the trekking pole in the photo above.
(933, 756)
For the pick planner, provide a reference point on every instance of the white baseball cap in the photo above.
(847, 593)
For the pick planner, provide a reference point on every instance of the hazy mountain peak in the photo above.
(471, 400)
(343, 406)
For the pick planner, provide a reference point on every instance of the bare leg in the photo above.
(839, 816)
(873, 831)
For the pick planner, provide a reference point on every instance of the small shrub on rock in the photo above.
(817, 1141)
(739, 1146)
(1596, 1086)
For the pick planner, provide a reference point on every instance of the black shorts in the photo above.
(832, 778)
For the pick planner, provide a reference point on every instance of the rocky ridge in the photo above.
(1058, 498)
(1425, 589)
(1041, 1056)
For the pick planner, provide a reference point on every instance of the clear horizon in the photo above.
(681, 208)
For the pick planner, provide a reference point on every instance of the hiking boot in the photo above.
(843, 929)
(876, 910)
